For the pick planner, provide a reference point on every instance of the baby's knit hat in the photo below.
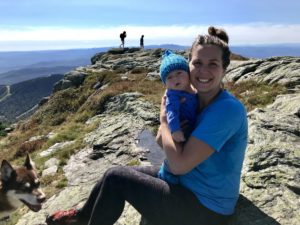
(170, 62)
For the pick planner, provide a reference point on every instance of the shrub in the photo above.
(134, 162)
(2, 130)
(138, 70)
(254, 94)
(28, 147)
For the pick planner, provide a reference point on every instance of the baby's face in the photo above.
(178, 80)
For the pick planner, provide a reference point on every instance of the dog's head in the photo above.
(21, 185)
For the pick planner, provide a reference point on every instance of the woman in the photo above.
(208, 164)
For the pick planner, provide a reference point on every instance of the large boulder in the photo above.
(71, 79)
(282, 70)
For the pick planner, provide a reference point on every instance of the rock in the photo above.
(127, 60)
(62, 85)
(97, 57)
(153, 76)
(71, 79)
(271, 172)
(55, 147)
(282, 70)
(8, 129)
(37, 138)
(51, 162)
(50, 171)
(43, 101)
(51, 135)
(75, 77)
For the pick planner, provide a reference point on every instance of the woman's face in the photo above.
(206, 67)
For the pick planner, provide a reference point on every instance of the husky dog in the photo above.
(19, 185)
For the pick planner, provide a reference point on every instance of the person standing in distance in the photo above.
(142, 42)
(122, 37)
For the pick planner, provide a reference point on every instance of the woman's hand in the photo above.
(178, 136)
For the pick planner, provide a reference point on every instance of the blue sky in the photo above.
(63, 24)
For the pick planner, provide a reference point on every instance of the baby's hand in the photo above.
(178, 136)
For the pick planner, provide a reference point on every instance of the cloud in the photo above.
(36, 37)
(263, 33)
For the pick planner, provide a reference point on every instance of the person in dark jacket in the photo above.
(142, 42)
(122, 37)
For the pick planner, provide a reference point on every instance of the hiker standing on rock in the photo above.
(122, 37)
(142, 42)
(208, 164)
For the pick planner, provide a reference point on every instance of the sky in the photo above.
(67, 24)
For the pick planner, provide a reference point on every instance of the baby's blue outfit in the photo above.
(177, 111)
(216, 181)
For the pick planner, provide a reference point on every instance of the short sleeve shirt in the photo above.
(223, 126)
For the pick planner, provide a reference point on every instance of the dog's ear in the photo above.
(7, 170)
(29, 163)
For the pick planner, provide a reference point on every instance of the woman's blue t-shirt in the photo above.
(216, 181)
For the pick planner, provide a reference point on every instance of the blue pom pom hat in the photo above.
(170, 62)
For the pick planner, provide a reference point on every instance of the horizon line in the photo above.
(38, 38)
(151, 46)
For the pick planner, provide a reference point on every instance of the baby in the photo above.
(181, 102)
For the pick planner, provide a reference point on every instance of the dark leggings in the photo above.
(158, 202)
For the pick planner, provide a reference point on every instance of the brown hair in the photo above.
(217, 37)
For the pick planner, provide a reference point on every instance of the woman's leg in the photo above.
(82, 216)
(156, 200)
(87, 208)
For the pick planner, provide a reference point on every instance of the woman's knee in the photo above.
(115, 175)
(113, 171)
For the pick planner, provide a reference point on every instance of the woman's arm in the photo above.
(182, 158)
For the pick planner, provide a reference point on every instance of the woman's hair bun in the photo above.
(220, 33)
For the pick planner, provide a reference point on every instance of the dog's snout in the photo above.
(41, 196)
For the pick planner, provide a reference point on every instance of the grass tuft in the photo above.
(254, 94)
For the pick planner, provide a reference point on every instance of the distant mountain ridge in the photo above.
(25, 95)
(267, 51)
(81, 57)
(17, 76)
(251, 51)
(21, 59)
(17, 60)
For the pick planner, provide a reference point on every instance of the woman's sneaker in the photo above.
(67, 217)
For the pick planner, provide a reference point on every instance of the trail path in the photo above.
(7, 93)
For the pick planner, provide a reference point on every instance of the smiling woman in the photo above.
(209, 163)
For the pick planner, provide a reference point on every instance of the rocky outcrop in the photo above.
(271, 174)
(70, 79)
(282, 70)
(114, 142)
(270, 185)
(127, 60)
